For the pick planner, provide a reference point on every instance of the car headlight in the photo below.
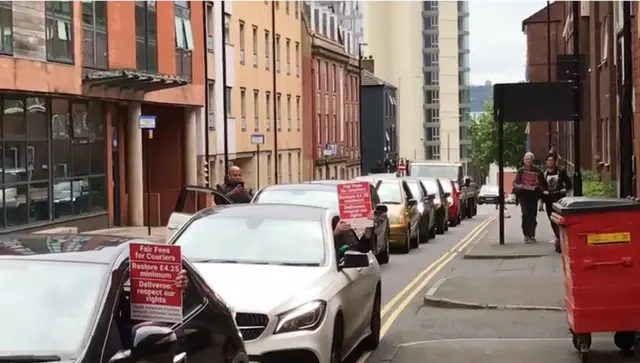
(450, 200)
(396, 219)
(305, 317)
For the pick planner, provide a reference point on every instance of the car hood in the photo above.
(264, 288)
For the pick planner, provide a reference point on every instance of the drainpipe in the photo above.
(206, 94)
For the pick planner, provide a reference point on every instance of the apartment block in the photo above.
(77, 76)
(332, 64)
(423, 49)
(257, 51)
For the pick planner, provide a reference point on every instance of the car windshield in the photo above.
(47, 307)
(435, 171)
(317, 198)
(489, 189)
(415, 189)
(446, 186)
(432, 186)
(389, 192)
(254, 240)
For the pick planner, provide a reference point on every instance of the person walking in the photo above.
(233, 187)
(558, 183)
(529, 184)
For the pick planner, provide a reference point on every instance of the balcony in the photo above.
(464, 69)
(430, 31)
(431, 87)
(464, 50)
(430, 68)
(431, 12)
(430, 50)
(463, 32)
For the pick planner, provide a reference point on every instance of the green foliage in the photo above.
(593, 187)
(484, 141)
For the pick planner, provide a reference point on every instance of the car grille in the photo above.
(251, 325)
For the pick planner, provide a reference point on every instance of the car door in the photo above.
(191, 199)
(429, 206)
(412, 211)
(380, 221)
(351, 297)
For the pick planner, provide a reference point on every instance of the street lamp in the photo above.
(360, 105)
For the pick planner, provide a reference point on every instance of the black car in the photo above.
(434, 188)
(67, 299)
(425, 206)
(323, 193)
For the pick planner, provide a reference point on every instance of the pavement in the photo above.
(158, 234)
(505, 307)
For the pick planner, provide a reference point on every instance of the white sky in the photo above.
(498, 46)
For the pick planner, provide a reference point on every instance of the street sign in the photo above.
(330, 150)
(147, 122)
(257, 139)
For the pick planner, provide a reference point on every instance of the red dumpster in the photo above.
(600, 241)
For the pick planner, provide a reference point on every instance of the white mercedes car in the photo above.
(278, 267)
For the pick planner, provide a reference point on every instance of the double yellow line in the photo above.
(395, 306)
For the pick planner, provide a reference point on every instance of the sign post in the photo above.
(154, 294)
(329, 151)
(354, 204)
(148, 123)
(257, 140)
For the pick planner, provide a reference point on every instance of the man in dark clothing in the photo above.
(529, 184)
(558, 183)
(344, 243)
(233, 187)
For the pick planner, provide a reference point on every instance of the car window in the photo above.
(48, 306)
(389, 192)
(317, 198)
(446, 186)
(253, 240)
(432, 186)
(415, 189)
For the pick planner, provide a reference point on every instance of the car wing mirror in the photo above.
(152, 343)
(380, 208)
(353, 259)
(447, 195)
(431, 197)
(412, 202)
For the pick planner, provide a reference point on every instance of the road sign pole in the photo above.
(148, 123)
(257, 167)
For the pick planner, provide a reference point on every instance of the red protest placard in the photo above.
(154, 294)
(529, 180)
(354, 204)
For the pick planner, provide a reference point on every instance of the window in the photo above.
(211, 123)
(288, 50)
(59, 31)
(277, 55)
(268, 169)
(146, 36)
(334, 74)
(256, 110)
(210, 27)
(433, 133)
(298, 163)
(267, 44)
(604, 36)
(433, 152)
(241, 36)
(296, 8)
(326, 77)
(318, 134)
(227, 30)
(227, 106)
(254, 40)
(267, 102)
(298, 113)
(435, 78)
(279, 112)
(286, 7)
(288, 112)
(184, 39)
(6, 27)
(297, 55)
(289, 163)
(94, 34)
(243, 109)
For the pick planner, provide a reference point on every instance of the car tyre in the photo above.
(415, 241)
(446, 224)
(383, 257)
(424, 237)
(372, 341)
(432, 232)
(441, 225)
(406, 247)
(336, 342)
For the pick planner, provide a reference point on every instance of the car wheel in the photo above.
(415, 241)
(383, 257)
(432, 232)
(441, 225)
(469, 211)
(406, 247)
(446, 224)
(424, 237)
(336, 342)
(372, 341)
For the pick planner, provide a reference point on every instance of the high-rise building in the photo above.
(423, 48)
(349, 15)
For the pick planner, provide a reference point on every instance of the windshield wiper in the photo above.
(301, 264)
(211, 260)
(389, 202)
(27, 358)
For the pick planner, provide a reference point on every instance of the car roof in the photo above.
(302, 186)
(101, 249)
(269, 210)
(435, 163)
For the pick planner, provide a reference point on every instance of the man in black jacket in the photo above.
(529, 184)
(558, 183)
(233, 187)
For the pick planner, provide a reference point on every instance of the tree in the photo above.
(484, 140)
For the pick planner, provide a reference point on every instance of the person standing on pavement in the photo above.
(233, 187)
(529, 184)
(558, 183)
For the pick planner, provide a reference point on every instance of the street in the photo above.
(477, 305)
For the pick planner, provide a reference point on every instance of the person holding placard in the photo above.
(529, 185)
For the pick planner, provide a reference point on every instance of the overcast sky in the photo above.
(498, 46)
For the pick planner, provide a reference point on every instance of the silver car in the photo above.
(277, 266)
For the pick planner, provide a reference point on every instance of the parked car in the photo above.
(470, 189)
(434, 188)
(453, 200)
(69, 302)
(278, 267)
(403, 213)
(453, 171)
(324, 193)
(426, 208)
(488, 194)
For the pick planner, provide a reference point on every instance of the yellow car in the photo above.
(402, 211)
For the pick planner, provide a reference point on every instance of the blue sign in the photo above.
(147, 122)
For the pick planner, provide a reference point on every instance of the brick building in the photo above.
(74, 79)
(329, 59)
